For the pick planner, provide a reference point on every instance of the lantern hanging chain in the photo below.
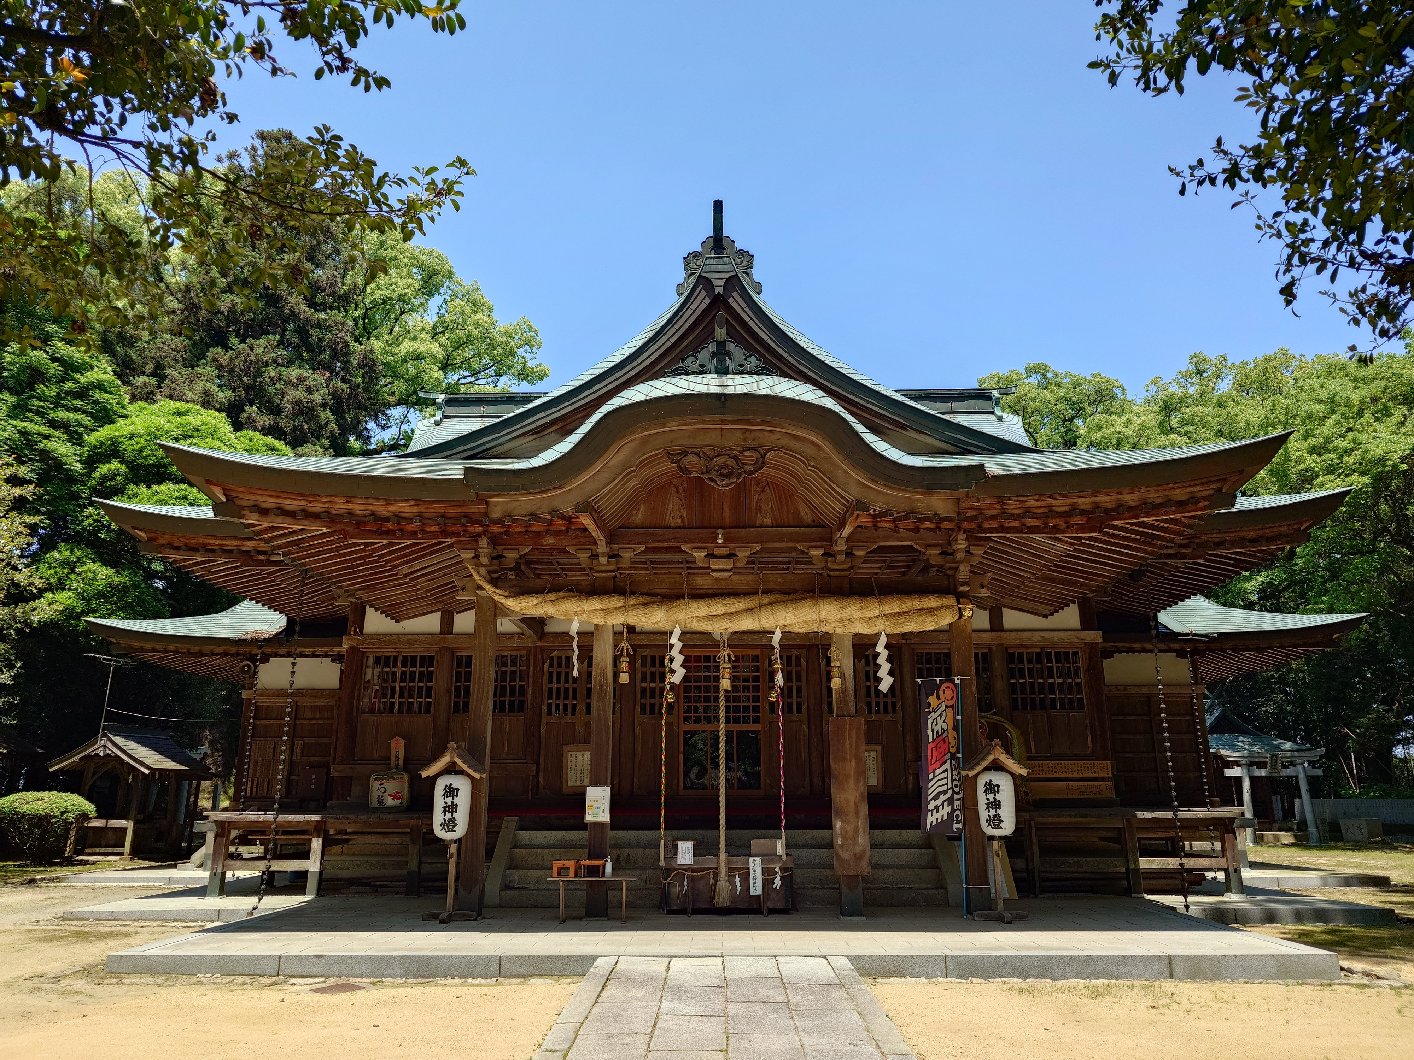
(722, 895)
(250, 724)
(1199, 725)
(285, 733)
(1168, 758)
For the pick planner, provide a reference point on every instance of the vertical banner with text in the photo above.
(939, 702)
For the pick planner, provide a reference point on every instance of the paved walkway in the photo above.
(1065, 938)
(738, 1008)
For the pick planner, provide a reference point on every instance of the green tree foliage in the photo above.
(142, 85)
(1331, 85)
(1353, 426)
(434, 333)
(1053, 405)
(331, 365)
(68, 433)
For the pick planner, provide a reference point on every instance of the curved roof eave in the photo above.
(247, 621)
(1277, 510)
(1198, 616)
(343, 476)
(185, 519)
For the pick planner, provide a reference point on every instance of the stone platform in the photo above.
(1065, 938)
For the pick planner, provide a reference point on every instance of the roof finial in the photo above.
(718, 247)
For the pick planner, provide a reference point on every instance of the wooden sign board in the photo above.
(596, 804)
(873, 755)
(576, 775)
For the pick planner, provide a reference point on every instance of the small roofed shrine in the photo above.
(1256, 764)
(711, 574)
(143, 784)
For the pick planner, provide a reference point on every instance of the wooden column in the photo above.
(601, 755)
(471, 890)
(979, 893)
(849, 795)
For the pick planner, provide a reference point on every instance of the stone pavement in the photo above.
(1065, 938)
(737, 1008)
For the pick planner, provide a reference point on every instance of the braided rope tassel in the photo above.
(723, 894)
(778, 681)
(1199, 726)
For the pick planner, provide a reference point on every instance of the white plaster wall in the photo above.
(1138, 669)
(310, 673)
(1020, 621)
(377, 622)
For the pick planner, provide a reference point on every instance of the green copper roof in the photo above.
(246, 621)
(1199, 616)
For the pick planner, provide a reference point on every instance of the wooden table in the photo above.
(312, 828)
(622, 881)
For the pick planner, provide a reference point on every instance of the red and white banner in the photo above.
(939, 702)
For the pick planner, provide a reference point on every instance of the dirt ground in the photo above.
(1157, 1021)
(57, 1002)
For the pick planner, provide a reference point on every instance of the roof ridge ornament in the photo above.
(719, 259)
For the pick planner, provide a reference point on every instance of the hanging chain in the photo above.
(1199, 727)
(251, 707)
(285, 733)
(1168, 758)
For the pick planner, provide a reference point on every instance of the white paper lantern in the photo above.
(451, 806)
(996, 802)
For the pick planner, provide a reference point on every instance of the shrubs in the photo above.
(40, 826)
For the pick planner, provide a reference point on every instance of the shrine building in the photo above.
(509, 583)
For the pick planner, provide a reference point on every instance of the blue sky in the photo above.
(931, 190)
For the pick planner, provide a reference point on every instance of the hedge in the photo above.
(40, 826)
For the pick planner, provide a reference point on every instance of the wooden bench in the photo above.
(622, 881)
(311, 828)
(1130, 827)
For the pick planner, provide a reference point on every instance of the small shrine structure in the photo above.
(1258, 760)
(511, 581)
(143, 784)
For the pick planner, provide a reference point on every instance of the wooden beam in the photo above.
(601, 754)
(472, 856)
(849, 793)
(534, 628)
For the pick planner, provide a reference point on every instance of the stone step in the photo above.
(879, 839)
(640, 857)
(874, 897)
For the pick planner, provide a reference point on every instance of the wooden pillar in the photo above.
(908, 708)
(964, 665)
(601, 755)
(471, 890)
(1248, 807)
(849, 794)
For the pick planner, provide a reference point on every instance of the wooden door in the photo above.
(565, 710)
(883, 724)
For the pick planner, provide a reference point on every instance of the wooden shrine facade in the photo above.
(723, 473)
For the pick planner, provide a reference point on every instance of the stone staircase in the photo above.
(905, 868)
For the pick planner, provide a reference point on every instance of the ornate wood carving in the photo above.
(722, 468)
(713, 359)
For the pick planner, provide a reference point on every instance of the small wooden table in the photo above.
(622, 881)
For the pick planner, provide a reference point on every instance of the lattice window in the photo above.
(982, 660)
(935, 664)
(1049, 679)
(398, 684)
(461, 684)
(793, 691)
(930, 665)
(509, 691)
(567, 696)
(650, 669)
(876, 702)
(699, 690)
